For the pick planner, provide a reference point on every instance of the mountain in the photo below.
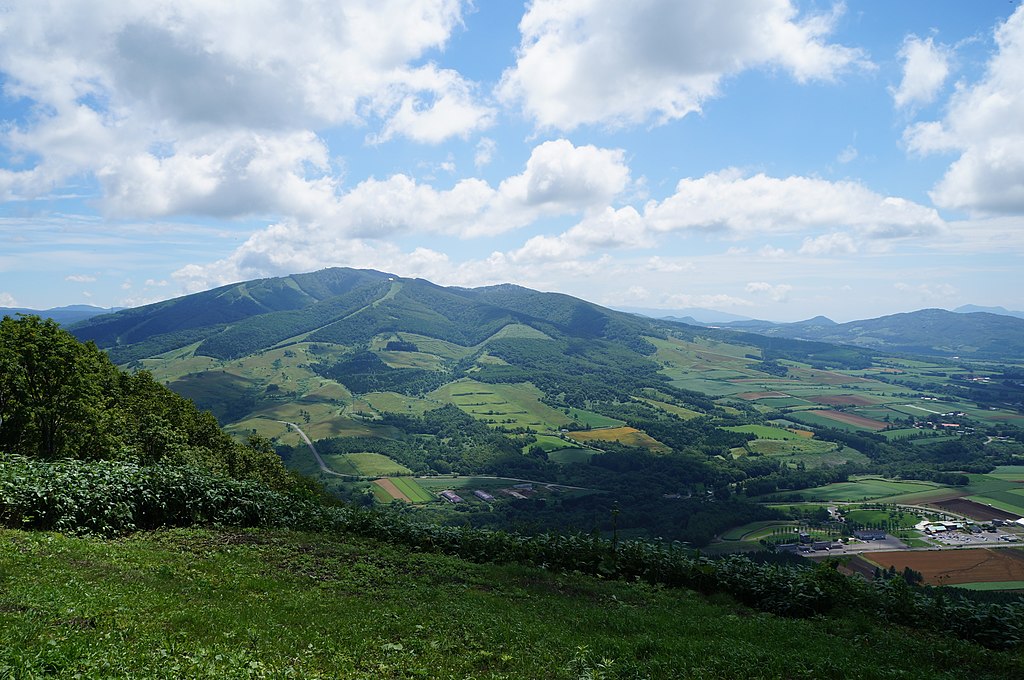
(63, 315)
(697, 314)
(968, 309)
(933, 332)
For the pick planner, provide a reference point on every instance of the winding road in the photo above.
(316, 454)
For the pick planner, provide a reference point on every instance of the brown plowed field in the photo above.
(946, 567)
(751, 396)
(843, 400)
(978, 511)
(390, 487)
(852, 419)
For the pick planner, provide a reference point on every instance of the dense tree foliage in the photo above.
(60, 398)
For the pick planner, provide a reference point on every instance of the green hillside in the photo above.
(495, 381)
(267, 604)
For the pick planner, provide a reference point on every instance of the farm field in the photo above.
(765, 431)
(375, 464)
(550, 443)
(392, 402)
(684, 413)
(573, 455)
(390, 491)
(951, 567)
(412, 489)
(857, 421)
(594, 419)
(509, 404)
(870, 488)
(624, 435)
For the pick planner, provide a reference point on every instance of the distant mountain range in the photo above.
(969, 309)
(62, 315)
(686, 315)
(934, 332)
(347, 306)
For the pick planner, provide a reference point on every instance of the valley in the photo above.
(507, 408)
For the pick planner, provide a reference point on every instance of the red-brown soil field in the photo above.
(947, 567)
(390, 487)
(978, 511)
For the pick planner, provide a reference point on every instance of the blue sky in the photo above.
(770, 158)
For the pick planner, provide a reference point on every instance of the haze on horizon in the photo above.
(774, 159)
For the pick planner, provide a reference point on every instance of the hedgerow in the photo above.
(111, 498)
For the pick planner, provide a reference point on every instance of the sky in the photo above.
(776, 159)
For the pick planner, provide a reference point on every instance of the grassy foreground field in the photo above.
(262, 604)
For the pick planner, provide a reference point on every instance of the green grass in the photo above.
(269, 604)
(341, 463)
(551, 443)
(376, 465)
(510, 405)
(877, 517)
(411, 488)
(788, 447)
(992, 585)
(566, 456)
(765, 432)
(392, 402)
(594, 419)
(684, 413)
(863, 489)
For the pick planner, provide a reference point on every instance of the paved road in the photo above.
(316, 454)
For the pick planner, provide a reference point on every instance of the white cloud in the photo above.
(484, 152)
(776, 293)
(985, 124)
(848, 155)
(835, 243)
(712, 301)
(559, 179)
(611, 229)
(925, 68)
(7, 300)
(661, 264)
(80, 278)
(731, 203)
(618, 63)
(200, 106)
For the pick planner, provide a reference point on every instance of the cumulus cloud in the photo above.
(610, 229)
(558, 179)
(199, 106)
(776, 293)
(984, 123)
(484, 152)
(7, 300)
(925, 69)
(80, 278)
(730, 203)
(618, 63)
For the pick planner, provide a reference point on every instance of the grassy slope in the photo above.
(199, 603)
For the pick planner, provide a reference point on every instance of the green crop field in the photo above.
(788, 447)
(341, 463)
(566, 456)
(550, 443)
(411, 488)
(594, 419)
(992, 585)
(684, 413)
(765, 431)
(392, 402)
(872, 488)
(375, 465)
(908, 433)
(508, 404)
